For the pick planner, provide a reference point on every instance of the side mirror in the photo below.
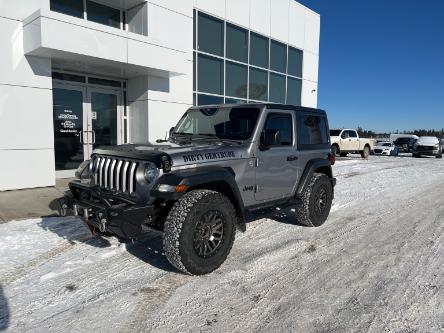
(270, 137)
(171, 131)
(344, 136)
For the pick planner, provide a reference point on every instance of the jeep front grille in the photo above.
(115, 174)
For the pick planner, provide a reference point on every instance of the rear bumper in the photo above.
(109, 212)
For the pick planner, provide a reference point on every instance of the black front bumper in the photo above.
(109, 212)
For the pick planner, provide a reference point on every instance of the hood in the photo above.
(177, 154)
(427, 141)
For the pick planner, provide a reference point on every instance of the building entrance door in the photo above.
(84, 118)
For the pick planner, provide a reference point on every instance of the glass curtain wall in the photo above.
(235, 65)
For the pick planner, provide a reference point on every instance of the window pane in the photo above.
(68, 7)
(234, 101)
(103, 14)
(278, 57)
(283, 124)
(295, 62)
(236, 81)
(210, 75)
(104, 82)
(312, 130)
(210, 35)
(258, 84)
(294, 87)
(258, 50)
(277, 88)
(68, 77)
(237, 43)
(209, 100)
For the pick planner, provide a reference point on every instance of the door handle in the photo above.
(81, 136)
(292, 158)
(93, 136)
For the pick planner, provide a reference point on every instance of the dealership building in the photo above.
(76, 74)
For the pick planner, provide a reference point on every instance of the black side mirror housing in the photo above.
(171, 131)
(270, 137)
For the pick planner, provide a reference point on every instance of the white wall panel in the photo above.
(20, 9)
(176, 89)
(215, 7)
(312, 31)
(163, 116)
(181, 6)
(310, 66)
(25, 118)
(279, 20)
(260, 16)
(238, 11)
(296, 25)
(309, 94)
(26, 169)
(179, 31)
(15, 68)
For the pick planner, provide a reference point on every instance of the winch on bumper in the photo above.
(108, 212)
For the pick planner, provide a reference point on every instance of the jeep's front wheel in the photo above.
(199, 232)
(315, 201)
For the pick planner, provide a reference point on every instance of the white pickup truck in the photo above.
(347, 141)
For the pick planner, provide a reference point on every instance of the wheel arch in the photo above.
(214, 178)
(314, 166)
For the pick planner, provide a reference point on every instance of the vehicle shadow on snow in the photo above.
(73, 230)
(4, 311)
(148, 249)
(286, 216)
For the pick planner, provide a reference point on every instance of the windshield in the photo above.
(386, 144)
(335, 132)
(224, 123)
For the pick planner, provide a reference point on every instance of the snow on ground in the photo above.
(376, 265)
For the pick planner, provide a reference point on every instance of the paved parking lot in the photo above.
(377, 265)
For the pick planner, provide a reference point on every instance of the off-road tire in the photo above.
(415, 155)
(180, 226)
(439, 156)
(306, 212)
(343, 154)
(366, 152)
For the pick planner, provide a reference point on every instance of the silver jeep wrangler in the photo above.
(222, 166)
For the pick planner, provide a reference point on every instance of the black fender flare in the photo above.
(212, 177)
(312, 166)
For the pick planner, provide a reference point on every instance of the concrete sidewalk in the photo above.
(38, 202)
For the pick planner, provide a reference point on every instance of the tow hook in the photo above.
(102, 225)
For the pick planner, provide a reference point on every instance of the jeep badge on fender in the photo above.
(221, 166)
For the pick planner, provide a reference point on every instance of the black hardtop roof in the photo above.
(262, 106)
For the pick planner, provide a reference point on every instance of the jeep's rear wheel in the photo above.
(316, 199)
(199, 232)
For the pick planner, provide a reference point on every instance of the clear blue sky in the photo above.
(381, 63)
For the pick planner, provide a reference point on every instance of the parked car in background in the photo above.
(405, 145)
(386, 148)
(428, 145)
(347, 141)
(394, 137)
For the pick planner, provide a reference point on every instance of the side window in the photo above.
(283, 123)
(345, 135)
(352, 134)
(312, 131)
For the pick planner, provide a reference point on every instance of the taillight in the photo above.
(331, 158)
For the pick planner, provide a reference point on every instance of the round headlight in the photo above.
(151, 172)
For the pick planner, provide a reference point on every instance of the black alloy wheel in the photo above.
(208, 233)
